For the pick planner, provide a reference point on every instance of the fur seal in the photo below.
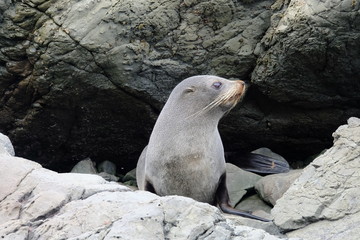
(185, 154)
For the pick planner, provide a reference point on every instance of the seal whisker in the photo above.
(208, 107)
(216, 102)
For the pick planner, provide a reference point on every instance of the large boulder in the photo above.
(36, 203)
(325, 200)
(87, 78)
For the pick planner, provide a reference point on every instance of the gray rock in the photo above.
(273, 187)
(88, 78)
(37, 203)
(108, 167)
(130, 179)
(324, 200)
(238, 182)
(6, 145)
(253, 203)
(269, 227)
(314, 58)
(108, 177)
(130, 176)
(85, 166)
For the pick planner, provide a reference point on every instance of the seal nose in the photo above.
(241, 83)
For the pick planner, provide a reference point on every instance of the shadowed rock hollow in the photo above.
(88, 78)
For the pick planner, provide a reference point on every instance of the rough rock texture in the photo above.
(238, 182)
(7, 145)
(87, 78)
(254, 202)
(324, 202)
(37, 203)
(85, 166)
(314, 43)
(273, 187)
(108, 167)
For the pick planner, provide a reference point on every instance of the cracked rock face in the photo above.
(36, 203)
(87, 78)
(325, 200)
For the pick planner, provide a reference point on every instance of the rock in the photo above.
(6, 145)
(269, 227)
(253, 203)
(37, 203)
(130, 179)
(325, 200)
(238, 182)
(88, 78)
(108, 177)
(108, 167)
(296, 55)
(85, 166)
(130, 176)
(38, 193)
(273, 187)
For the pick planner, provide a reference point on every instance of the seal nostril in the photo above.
(241, 82)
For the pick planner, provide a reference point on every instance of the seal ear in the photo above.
(189, 89)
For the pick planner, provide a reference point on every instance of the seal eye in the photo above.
(217, 85)
(190, 89)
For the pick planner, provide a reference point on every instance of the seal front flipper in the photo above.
(223, 200)
(257, 163)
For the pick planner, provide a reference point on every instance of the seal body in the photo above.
(185, 154)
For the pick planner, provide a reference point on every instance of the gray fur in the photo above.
(185, 155)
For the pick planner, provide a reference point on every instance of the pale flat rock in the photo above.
(39, 204)
(13, 175)
(327, 194)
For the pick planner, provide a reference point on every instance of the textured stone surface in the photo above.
(37, 203)
(108, 167)
(253, 203)
(324, 200)
(238, 182)
(87, 78)
(272, 187)
(7, 145)
(318, 34)
(85, 166)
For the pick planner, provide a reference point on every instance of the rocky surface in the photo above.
(239, 182)
(7, 145)
(106, 169)
(254, 202)
(37, 203)
(273, 187)
(324, 202)
(85, 166)
(87, 78)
